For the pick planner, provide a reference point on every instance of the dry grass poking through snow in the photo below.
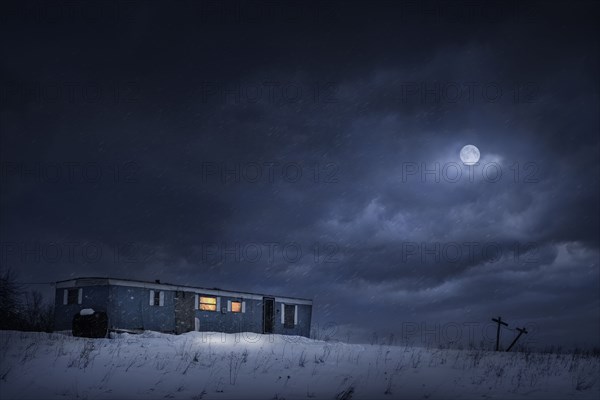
(217, 366)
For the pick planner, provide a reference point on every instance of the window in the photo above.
(157, 298)
(236, 306)
(289, 316)
(72, 296)
(207, 303)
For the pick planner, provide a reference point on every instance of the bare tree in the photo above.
(21, 310)
(39, 316)
(11, 306)
(33, 306)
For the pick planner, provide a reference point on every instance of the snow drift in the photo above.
(227, 366)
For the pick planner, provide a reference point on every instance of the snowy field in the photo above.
(217, 366)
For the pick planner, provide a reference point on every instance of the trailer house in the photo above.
(128, 305)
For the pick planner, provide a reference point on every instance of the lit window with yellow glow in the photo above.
(208, 303)
(236, 306)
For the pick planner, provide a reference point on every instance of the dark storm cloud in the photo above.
(195, 149)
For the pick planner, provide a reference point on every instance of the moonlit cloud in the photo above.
(375, 127)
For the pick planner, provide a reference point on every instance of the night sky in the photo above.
(312, 150)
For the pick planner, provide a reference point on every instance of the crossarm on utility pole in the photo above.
(521, 331)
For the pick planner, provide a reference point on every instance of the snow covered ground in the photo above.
(249, 366)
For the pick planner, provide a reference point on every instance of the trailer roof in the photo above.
(95, 281)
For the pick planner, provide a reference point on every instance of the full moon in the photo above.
(469, 154)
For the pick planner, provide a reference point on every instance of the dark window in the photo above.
(289, 316)
(156, 298)
(72, 296)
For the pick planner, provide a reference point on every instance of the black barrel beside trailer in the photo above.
(91, 326)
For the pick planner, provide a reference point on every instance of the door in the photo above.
(268, 317)
(184, 312)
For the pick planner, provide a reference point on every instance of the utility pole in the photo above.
(521, 331)
(500, 322)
